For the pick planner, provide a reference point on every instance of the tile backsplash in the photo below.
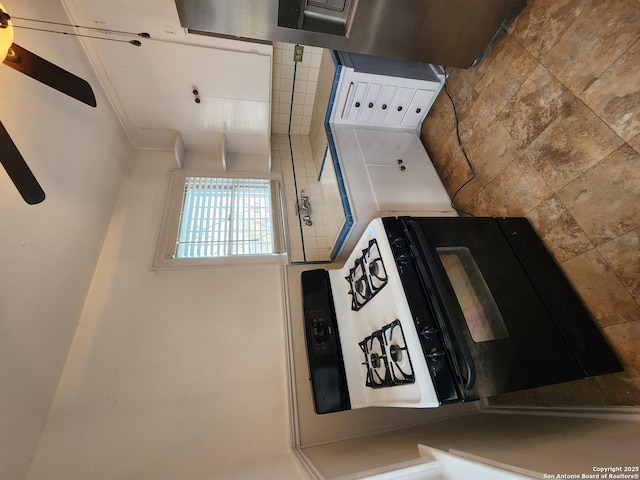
(294, 96)
(283, 88)
(307, 243)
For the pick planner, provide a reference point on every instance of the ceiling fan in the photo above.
(38, 68)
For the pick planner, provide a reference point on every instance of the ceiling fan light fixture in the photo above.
(47, 73)
(6, 33)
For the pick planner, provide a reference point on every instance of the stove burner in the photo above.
(386, 357)
(367, 276)
(360, 288)
(373, 268)
(375, 360)
(396, 352)
(378, 372)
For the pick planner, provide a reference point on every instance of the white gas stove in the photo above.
(383, 358)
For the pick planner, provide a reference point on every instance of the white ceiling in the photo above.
(150, 87)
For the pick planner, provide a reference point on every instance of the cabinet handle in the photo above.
(418, 110)
(400, 108)
(344, 107)
(402, 168)
(370, 105)
(399, 161)
(384, 106)
(357, 104)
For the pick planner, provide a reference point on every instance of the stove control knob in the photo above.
(403, 259)
(435, 355)
(399, 242)
(429, 333)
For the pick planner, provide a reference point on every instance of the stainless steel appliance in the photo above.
(430, 311)
(451, 33)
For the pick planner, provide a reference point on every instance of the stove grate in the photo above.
(367, 276)
(386, 357)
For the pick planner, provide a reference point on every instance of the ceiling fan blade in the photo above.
(46, 72)
(18, 170)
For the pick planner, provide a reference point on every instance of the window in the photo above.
(211, 219)
(480, 311)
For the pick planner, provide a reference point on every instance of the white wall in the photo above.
(48, 251)
(546, 444)
(172, 374)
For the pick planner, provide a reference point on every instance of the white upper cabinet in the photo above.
(201, 92)
(151, 87)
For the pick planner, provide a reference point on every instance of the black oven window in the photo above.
(478, 306)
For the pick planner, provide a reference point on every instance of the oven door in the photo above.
(499, 335)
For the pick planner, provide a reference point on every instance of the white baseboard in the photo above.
(307, 465)
(601, 413)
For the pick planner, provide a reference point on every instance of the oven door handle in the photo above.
(468, 380)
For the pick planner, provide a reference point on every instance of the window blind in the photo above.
(224, 216)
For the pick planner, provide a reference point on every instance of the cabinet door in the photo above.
(370, 103)
(410, 190)
(355, 100)
(384, 103)
(399, 106)
(391, 148)
(418, 108)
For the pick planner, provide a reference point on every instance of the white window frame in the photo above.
(166, 245)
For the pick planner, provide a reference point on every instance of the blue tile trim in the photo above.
(346, 227)
(312, 262)
(293, 164)
(324, 159)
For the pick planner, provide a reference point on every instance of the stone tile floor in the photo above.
(550, 119)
